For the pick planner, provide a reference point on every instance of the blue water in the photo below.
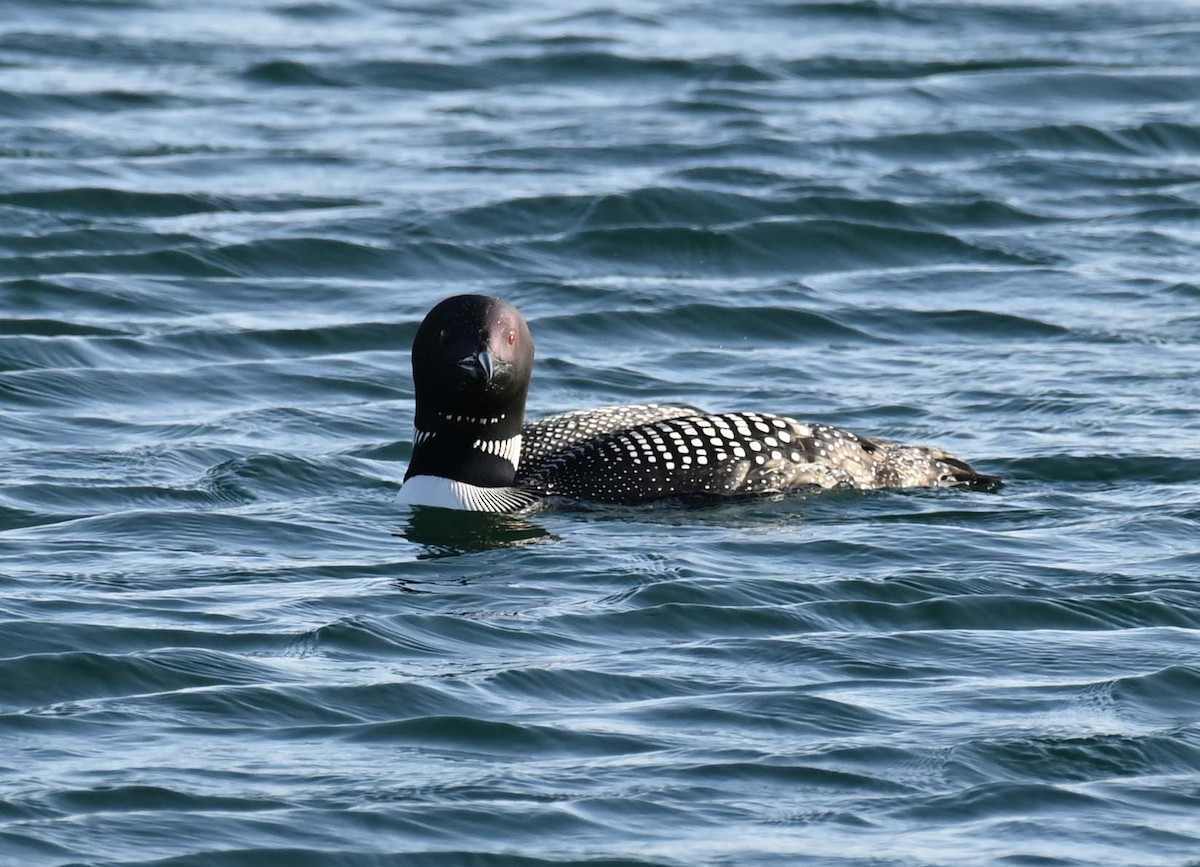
(972, 224)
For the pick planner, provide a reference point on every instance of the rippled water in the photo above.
(967, 223)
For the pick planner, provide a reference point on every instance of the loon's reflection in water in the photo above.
(449, 533)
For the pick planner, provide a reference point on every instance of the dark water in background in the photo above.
(970, 223)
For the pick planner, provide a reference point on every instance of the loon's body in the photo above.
(472, 359)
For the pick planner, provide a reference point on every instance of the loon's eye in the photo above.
(512, 337)
(443, 337)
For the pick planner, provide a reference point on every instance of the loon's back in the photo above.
(679, 452)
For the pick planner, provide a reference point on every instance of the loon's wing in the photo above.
(557, 433)
(737, 453)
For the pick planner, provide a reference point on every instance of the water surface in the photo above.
(966, 223)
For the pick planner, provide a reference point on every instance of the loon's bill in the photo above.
(472, 359)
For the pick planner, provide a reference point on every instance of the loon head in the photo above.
(472, 359)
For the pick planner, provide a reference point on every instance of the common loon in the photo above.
(472, 358)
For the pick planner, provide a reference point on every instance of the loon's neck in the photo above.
(466, 463)
(481, 450)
